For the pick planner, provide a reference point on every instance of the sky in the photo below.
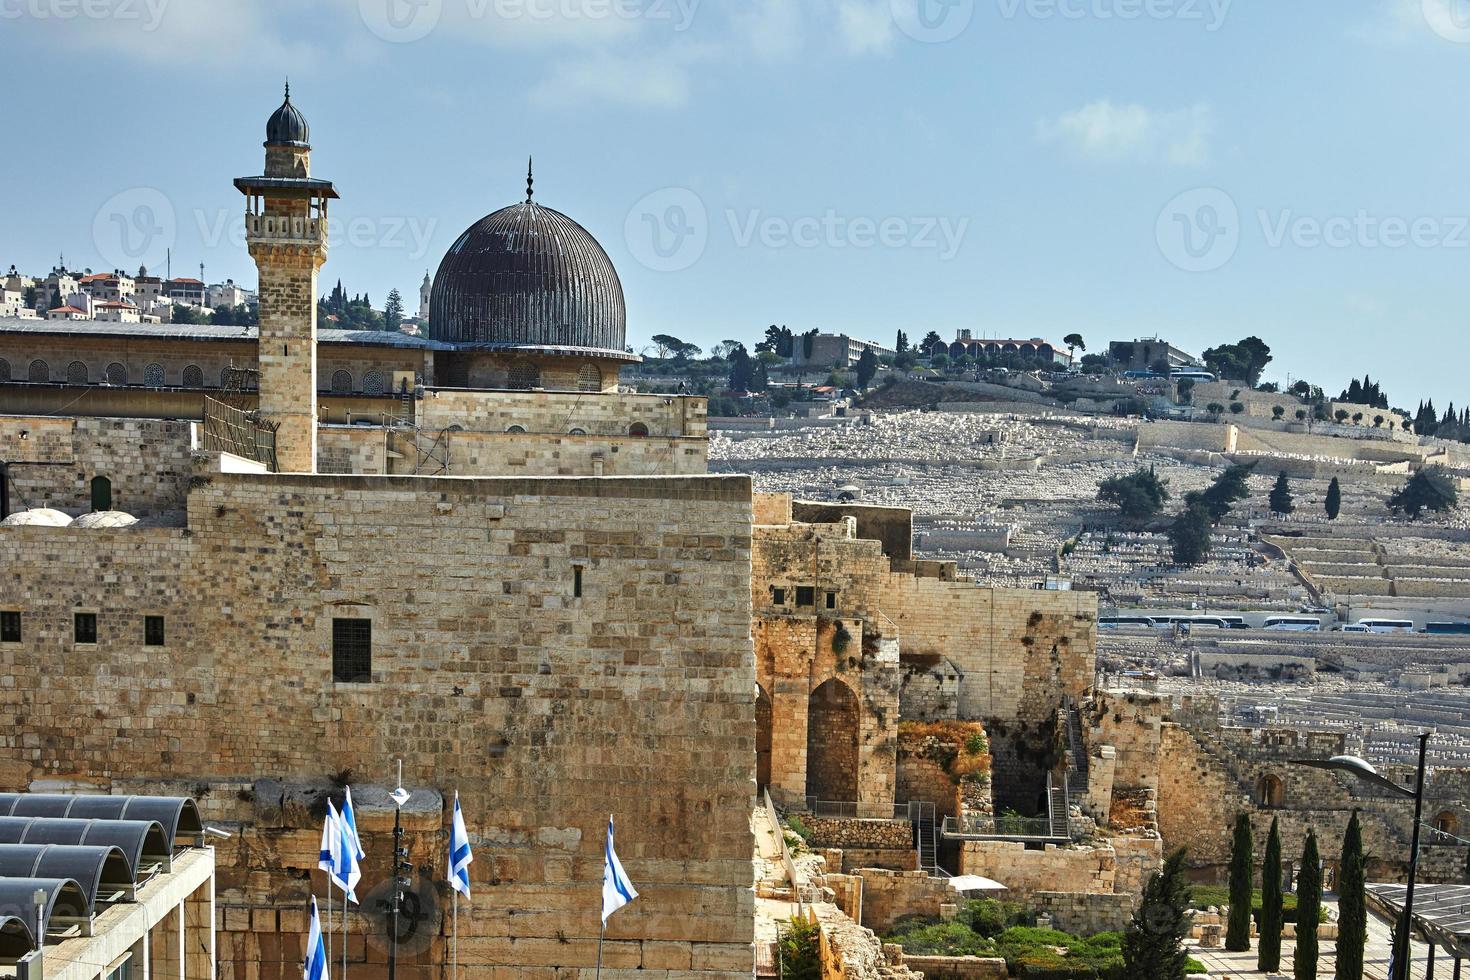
(1199, 170)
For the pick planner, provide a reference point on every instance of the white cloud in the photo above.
(865, 26)
(656, 83)
(768, 30)
(1107, 131)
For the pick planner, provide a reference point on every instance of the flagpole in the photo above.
(454, 941)
(329, 918)
(344, 936)
(600, 934)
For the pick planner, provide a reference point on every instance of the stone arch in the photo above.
(76, 373)
(117, 374)
(762, 738)
(589, 378)
(516, 430)
(193, 376)
(577, 432)
(638, 430)
(523, 376)
(1271, 791)
(372, 383)
(832, 722)
(101, 494)
(1447, 822)
(39, 371)
(4, 369)
(224, 376)
(341, 382)
(154, 376)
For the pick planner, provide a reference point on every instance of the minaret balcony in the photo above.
(278, 229)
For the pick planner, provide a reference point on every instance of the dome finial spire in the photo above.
(530, 180)
(288, 88)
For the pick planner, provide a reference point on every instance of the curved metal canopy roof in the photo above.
(16, 938)
(178, 815)
(65, 903)
(100, 870)
(142, 842)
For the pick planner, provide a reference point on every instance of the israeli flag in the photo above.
(331, 843)
(315, 967)
(349, 817)
(460, 855)
(347, 873)
(617, 890)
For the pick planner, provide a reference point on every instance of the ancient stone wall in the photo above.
(148, 462)
(930, 690)
(1055, 869)
(557, 413)
(892, 895)
(485, 671)
(1083, 914)
(893, 526)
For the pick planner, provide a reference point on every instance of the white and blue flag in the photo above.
(315, 967)
(460, 855)
(347, 873)
(349, 817)
(617, 890)
(330, 858)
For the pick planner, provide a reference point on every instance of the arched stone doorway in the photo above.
(1270, 791)
(762, 737)
(832, 743)
(1447, 823)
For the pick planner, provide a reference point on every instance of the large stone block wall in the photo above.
(666, 416)
(1054, 869)
(287, 354)
(1086, 915)
(151, 476)
(892, 895)
(544, 710)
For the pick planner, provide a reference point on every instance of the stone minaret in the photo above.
(425, 292)
(286, 228)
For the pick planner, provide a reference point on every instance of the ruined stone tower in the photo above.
(286, 229)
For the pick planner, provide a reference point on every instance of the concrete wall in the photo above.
(488, 675)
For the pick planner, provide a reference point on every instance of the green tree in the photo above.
(867, 367)
(1189, 535)
(1186, 391)
(1352, 908)
(1268, 951)
(1230, 486)
(1153, 947)
(187, 314)
(1139, 496)
(1236, 408)
(393, 311)
(1278, 412)
(742, 370)
(800, 957)
(1308, 910)
(1074, 343)
(1334, 499)
(902, 343)
(1242, 886)
(808, 343)
(1341, 415)
(932, 344)
(1428, 489)
(1215, 409)
(1281, 502)
(940, 361)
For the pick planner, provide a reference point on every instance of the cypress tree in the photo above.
(1242, 864)
(1352, 910)
(1153, 947)
(1268, 954)
(1281, 495)
(1334, 499)
(1308, 905)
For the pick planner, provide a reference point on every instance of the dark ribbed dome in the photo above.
(287, 126)
(528, 276)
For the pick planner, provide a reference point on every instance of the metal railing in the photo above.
(786, 860)
(832, 809)
(228, 429)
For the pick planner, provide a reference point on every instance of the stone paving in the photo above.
(1225, 965)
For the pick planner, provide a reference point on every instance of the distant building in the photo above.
(834, 350)
(116, 312)
(1143, 355)
(1032, 348)
(189, 292)
(425, 292)
(108, 287)
(227, 295)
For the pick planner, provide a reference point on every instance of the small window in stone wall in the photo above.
(76, 373)
(4, 369)
(516, 430)
(84, 628)
(778, 596)
(224, 376)
(638, 430)
(38, 371)
(589, 378)
(9, 627)
(806, 595)
(576, 581)
(117, 374)
(524, 376)
(341, 383)
(352, 651)
(193, 376)
(831, 600)
(154, 376)
(372, 383)
(153, 631)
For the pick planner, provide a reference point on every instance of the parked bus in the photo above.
(1116, 622)
(1448, 629)
(1294, 624)
(1387, 625)
(1204, 376)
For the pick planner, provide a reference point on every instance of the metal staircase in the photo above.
(1057, 805)
(1077, 772)
(430, 455)
(925, 831)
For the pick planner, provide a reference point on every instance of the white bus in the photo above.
(1294, 624)
(1116, 622)
(1387, 625)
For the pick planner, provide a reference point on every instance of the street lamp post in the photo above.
(401, 865)
(1399, 969)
